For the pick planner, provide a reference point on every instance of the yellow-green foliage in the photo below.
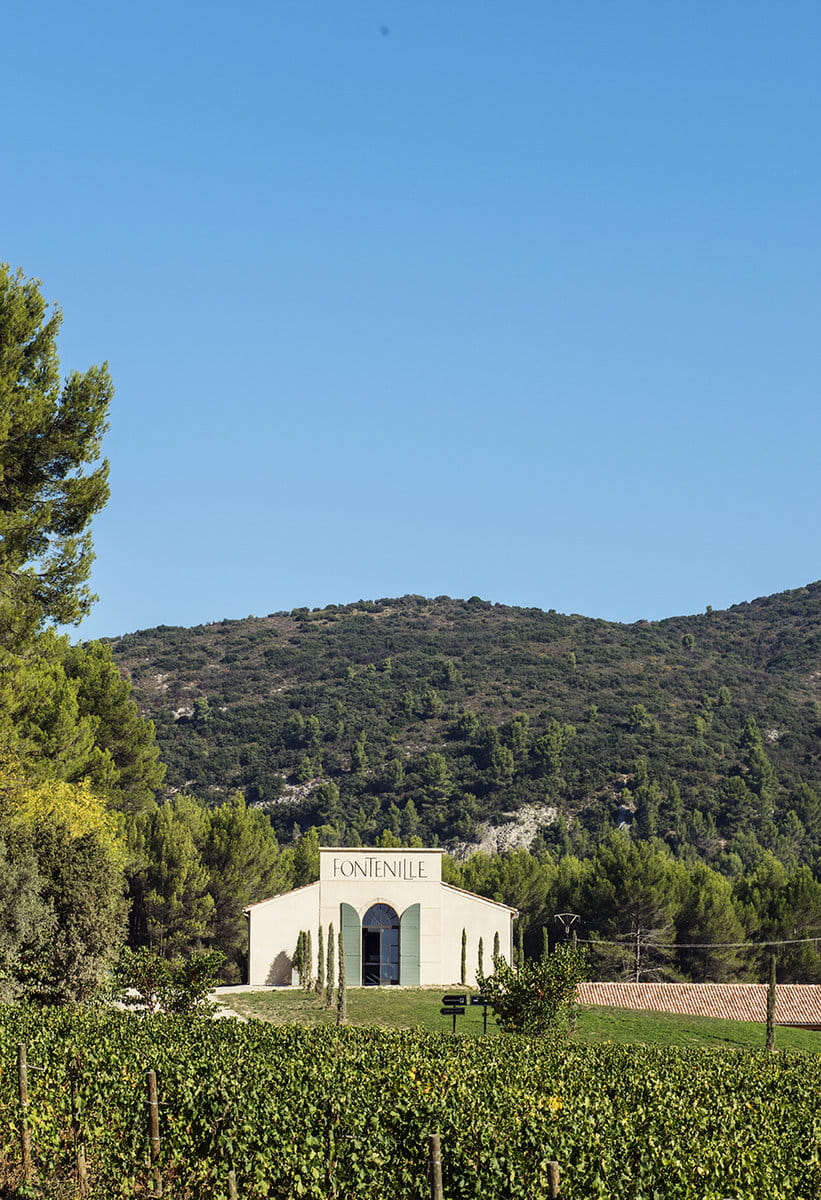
(73, 805)
(327, 1112)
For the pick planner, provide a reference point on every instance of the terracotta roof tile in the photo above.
(795, 1003)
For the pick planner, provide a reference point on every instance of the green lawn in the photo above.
(418, 1008)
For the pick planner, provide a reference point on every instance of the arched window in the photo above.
(380, 946)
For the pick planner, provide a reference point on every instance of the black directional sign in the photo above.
(484, 1002)
(456, 1003)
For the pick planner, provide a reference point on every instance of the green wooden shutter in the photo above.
(352, 941)
(409, 946)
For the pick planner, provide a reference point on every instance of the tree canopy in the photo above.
(52, 481)
(73, 747)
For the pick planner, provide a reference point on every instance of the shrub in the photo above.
(538, 997)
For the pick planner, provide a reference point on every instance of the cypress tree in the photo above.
(329, 986)
(496, 949)
(481, 957)
(341, 993)
(299, 955)
(463, 973)
(309, 960)
(770, 1045)
(319, 987)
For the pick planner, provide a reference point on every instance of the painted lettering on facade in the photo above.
(373, 867)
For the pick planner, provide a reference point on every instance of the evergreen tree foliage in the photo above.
(83, 886)
(342, 985)
(319, 985)
(124, 762)
(707, 915)
(26, 918)
(51, 480)
(172, 909)
(633, 888)
(241, 856)
(329, 973)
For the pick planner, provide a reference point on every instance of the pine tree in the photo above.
(51, 480)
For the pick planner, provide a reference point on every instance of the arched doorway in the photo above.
(380, 946)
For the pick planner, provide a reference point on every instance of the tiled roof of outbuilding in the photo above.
(795, 1003)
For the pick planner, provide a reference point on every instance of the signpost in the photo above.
(454, 1004)
(483, 1000)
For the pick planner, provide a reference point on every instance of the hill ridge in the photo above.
(427, 717)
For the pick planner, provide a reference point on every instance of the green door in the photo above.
(352, 941)
(409, 947)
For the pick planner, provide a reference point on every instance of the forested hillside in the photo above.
(430, 718)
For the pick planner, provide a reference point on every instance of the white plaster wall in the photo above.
(274, 928)
(480, 918)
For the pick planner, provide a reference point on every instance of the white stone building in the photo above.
(400, 923)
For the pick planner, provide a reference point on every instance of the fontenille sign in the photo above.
(410, 869)
(344, 865)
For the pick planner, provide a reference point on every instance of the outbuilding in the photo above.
(400, 923)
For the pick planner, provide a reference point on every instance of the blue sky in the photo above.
(513, 300)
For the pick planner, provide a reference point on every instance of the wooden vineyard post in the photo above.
(233, 1194)
(553, 1180)
(154, 1131)
(77, 1134)
(435, 1166)
(23, 1094)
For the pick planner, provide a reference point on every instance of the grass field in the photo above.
(418, 1008)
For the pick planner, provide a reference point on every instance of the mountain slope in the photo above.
(429, 717)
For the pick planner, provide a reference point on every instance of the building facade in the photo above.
(400, 924)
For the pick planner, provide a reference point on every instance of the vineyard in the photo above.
(325, 1113)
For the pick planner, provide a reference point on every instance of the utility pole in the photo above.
(568, 921)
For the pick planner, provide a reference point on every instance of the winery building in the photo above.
(400, 923)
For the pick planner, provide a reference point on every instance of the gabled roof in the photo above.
(474, 896)
(795, 1003)
(259, 903)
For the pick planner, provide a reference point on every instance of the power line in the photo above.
(698, 945)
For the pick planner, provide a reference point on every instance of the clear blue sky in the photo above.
(518, 300)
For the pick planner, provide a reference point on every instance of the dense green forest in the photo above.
(659, 779)
(430, 718)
